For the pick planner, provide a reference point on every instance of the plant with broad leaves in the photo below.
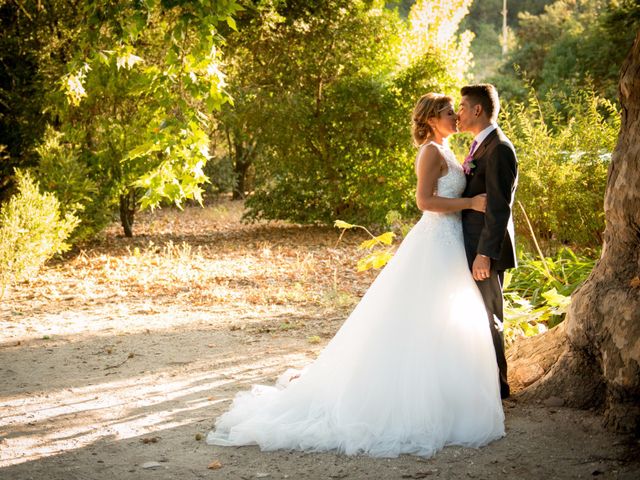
(138, 97)
(538, 293)
(376, 258)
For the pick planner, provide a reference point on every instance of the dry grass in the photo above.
(202, 259)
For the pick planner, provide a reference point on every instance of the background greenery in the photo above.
(303, 108)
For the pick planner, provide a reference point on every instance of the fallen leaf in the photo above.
(215, 465)
(198, 436)
(635, 283)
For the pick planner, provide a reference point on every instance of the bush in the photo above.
(564, 147)
(538, 293)
(67, 173)
(333, 124)
(32, 230)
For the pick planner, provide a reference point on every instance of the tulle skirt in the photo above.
(411, 370)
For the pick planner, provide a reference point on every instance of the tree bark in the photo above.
(127, 212)
(244, 155)
(240, 166)
(599, 366)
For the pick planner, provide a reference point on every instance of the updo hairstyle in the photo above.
(429, 106)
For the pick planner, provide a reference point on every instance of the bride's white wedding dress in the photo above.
(411, 370)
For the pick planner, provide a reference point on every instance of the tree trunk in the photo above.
(600, 364)
(239, 170)
(242, 162)
(127, 212)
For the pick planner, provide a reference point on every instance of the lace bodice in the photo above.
(453, 183)
(446, 226)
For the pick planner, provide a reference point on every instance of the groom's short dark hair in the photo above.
(486, 95)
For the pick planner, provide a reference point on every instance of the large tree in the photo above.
(116, 99)
(593, 358)
(332, 104)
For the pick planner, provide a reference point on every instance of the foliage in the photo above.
(62, 170)
(432, 28)
(333, 109)
(564, 146)
(32, 230)
(573, 44)
(35, 41)
(138, 102)
(130, 86)
(485, 21)
(537, 293)
(378, 256)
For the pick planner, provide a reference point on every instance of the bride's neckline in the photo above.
(439, 145)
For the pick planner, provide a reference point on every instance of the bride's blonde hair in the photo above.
(429, 106)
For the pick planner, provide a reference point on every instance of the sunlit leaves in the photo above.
(127, 60)
(564, 146)
(433, 27)
(559, 303)
(141, 99)
(374, 260)
(178, 156)
(343, 224)
(384, 239)
(377, 258)
(537, 293)
(73, 84)
(32, 230)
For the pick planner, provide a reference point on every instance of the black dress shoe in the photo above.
(504, 391)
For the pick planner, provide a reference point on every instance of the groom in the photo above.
(491, 167)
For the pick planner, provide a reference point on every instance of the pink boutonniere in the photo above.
(468, 164)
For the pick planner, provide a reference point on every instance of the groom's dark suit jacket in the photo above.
(496, 174)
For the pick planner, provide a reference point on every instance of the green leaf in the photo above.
(555, 299)
(232, 23)
(386, 238)
(368, 244)
(341, 224)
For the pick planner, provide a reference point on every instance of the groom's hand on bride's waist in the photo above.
(481, 267)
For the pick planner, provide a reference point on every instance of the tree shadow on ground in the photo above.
(89, 421)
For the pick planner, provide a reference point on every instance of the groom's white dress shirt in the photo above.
(479, 138)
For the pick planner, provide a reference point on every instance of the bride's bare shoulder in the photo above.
(429, 155)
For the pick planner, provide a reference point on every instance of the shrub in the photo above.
(564, 146)
(32, 230)
(538, 293)
(67, 173)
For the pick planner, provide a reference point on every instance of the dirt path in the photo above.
(115, 362)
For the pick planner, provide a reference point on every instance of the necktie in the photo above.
(468, 161)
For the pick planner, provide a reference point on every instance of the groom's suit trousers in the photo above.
(491, 291)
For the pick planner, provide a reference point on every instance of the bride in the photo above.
(413, 367)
